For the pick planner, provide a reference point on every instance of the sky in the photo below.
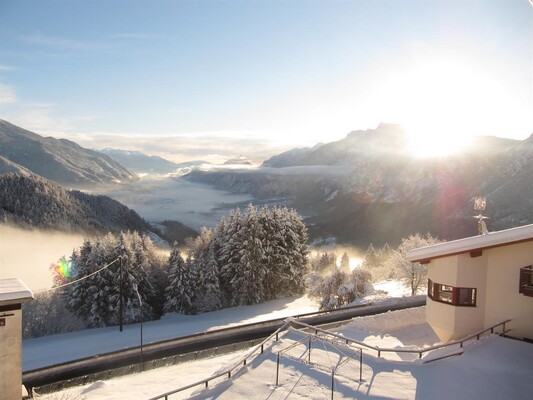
(214, 79)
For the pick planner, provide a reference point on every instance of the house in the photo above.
(476, 282)
(13, 293)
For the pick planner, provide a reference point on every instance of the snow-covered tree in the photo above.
(248, 283)
(413, 274)
(324, 262)
(179, 295)
(339, 288)
(345, 263)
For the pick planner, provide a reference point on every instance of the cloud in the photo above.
(7, 94)
(61, 43)
(214, 147)
(4, 68)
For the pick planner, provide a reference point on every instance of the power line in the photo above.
(78, 280)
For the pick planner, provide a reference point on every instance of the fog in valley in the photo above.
(28, 254)
(193, 204)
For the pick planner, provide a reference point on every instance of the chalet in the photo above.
(476, 282)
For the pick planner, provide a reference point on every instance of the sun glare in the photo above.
(442, 104)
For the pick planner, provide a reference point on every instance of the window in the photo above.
(452, 295)
(445, 293)
(526, 281)
(466, 296)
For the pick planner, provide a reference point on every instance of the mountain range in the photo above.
(60, 160)
(141, 163)
(368, 188)
(364, 188)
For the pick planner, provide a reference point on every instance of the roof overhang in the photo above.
(473, 244)
(14, 291)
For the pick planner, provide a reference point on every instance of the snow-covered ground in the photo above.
(49, 350)
(492, 368)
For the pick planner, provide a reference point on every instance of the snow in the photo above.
(383, 291)
(13, 290)
(492, 368)
(49, 350)
(492, 239)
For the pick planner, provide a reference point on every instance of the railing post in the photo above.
(360, 365)
(262, 348)
(277, 371)
(379, 353)
(332, 382)
(309, 355)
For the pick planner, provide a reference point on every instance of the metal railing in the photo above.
(291, 322)
(418, 351)
(228, 371)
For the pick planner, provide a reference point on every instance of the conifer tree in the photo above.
(179, 295)
(345, 263)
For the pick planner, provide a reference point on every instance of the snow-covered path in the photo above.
(493, 368)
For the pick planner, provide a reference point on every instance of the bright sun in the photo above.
(441, 104)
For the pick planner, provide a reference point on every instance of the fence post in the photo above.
(277, 371)
(309, 355)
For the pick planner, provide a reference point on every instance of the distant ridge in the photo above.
(141, 163)
(60, 160)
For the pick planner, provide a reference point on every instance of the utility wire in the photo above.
(78, 280)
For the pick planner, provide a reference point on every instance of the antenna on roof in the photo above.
(480, 202)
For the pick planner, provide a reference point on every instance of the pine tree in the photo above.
(230, 257)
(179, 295)
(247, 285)
(345, 263)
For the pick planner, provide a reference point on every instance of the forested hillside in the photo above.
(33, 201)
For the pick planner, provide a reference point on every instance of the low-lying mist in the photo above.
(355, 254)
(28, 254)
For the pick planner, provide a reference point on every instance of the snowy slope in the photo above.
(493, 368)
(49, 350)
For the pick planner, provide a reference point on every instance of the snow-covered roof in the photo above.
(14, 291)
(474, 243)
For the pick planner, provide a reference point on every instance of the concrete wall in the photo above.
(11, 355)
(503, 299)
